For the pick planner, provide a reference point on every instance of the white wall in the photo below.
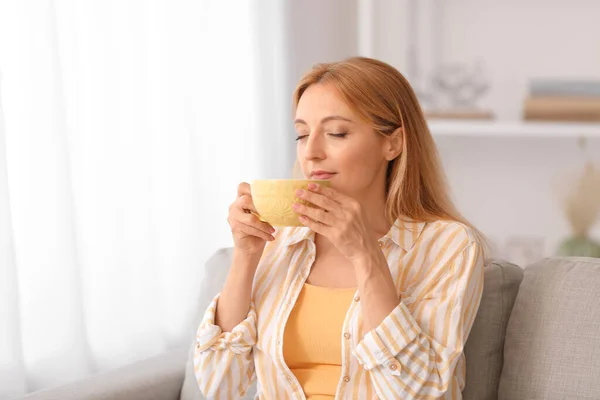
(505, 185)
(515, 39)
(317, 32)
(321, 31)
(521, 39)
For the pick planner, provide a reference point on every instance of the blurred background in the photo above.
(125, 127)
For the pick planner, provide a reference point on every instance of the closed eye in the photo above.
(336, 135)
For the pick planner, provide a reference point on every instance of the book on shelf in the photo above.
(564, 87)
(562, 108)
(473, 114)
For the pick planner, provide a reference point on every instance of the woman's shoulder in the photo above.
(450, 227)
(449, 236)
(445, 242)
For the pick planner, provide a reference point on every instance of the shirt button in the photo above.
(197, 345)
(394, 366)
(357, 299)
(347, 335)
(346, 379)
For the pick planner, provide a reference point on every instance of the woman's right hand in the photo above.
(249, 233)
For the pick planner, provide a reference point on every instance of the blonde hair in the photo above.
(415, 183)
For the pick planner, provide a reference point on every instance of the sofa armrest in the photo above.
(156, 378)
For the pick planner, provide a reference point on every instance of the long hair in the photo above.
(416, 185)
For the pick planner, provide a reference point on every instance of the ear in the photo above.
(393, 144)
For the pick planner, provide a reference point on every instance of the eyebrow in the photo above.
(326, 119)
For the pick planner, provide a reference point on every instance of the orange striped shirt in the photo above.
(415, 353)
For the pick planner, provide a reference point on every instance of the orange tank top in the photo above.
(312, 341)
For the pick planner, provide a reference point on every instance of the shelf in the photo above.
(515, 129)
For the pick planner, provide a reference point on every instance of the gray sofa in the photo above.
(536, 336)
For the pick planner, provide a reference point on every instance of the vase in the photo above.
(575, 246)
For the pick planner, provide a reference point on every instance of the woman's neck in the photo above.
(374, 207)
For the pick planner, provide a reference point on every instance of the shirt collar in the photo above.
(404, 233)
(297, 234)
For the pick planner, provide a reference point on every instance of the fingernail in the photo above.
(299, 192)
(295, 206)
(312, 186)
(272, 230)
(272, 238)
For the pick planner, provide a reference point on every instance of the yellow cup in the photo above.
(273, 199)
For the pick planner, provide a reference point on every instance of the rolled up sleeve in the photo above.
(223, 360)
(414, 355)
(240, 340)
(382, 345)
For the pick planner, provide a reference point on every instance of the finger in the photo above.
(252, 220)
(317, 199)
(313, 225)
(327, 192)
(243, 188)
(252, 231)
(247, 206)
(316, 214)
(246, 203)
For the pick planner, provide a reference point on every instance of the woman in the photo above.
(375, 296)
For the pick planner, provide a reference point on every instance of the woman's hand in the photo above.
(344, 223)
(249, 233)
(341, 219)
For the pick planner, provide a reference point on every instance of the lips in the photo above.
(322, 174)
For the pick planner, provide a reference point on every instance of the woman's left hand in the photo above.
(340, 219)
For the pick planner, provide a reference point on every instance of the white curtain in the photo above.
(125, 127)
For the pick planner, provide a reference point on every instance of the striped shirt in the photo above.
(415, 353)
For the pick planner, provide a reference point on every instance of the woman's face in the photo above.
(335, 144)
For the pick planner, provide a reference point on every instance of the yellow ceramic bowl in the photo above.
(273, 199)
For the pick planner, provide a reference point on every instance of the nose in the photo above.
(314, 148)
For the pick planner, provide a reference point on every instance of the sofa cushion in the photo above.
(485, 345)
(551, 348)
(212, 280)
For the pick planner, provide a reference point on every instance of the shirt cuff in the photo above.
(240, 340)
(382, 345)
